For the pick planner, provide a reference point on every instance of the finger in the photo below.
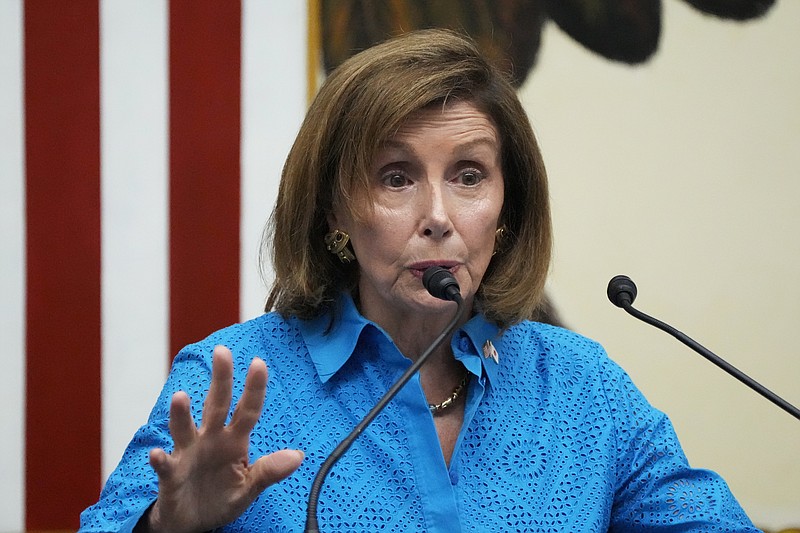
(250, 405)
(270, 469)
(159, 460)
(181, 424)
(218, 400)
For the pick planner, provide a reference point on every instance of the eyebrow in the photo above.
(483, 140)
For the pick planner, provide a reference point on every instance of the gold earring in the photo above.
(499, 235)
(336, 243)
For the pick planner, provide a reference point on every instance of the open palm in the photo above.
(208, 480)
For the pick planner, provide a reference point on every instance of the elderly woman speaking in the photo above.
(415, 154)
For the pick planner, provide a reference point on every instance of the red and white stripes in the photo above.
(12, 268)
(141, 148)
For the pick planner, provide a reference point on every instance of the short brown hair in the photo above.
(358, 108)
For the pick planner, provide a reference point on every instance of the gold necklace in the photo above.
(439, 407)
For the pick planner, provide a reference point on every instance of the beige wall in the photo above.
(685, 174)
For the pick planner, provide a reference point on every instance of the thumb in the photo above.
(270, 469)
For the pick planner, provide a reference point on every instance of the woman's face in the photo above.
(437, 188)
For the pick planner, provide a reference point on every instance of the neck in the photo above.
(413, 333)
(413, 330)
(441, 371)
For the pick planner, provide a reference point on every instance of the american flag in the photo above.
(141, 143)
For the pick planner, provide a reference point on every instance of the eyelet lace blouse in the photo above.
(555, 437)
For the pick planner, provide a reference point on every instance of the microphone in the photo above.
(622, 292)
(441, 284)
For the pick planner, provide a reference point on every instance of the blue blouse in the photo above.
(555, 437)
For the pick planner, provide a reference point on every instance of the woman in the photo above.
(415, 153)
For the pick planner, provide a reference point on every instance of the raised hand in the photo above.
(208, 481)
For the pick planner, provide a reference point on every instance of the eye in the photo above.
(470, 177)
(395, 179)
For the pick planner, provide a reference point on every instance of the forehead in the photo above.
(455, 121)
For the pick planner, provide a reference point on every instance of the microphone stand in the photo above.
(311, 514)
(622, 292)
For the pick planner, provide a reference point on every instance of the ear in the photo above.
(332, 221)
(338, 218)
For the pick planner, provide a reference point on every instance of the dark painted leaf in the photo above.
(508, 31)
(733, 9)
(622, 30)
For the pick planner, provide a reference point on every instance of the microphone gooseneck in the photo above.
(441, 284)
(622, 292)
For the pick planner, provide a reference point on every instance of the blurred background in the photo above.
(141, 143)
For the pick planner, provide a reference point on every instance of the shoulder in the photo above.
(269, 337)
(551, 345)
(246, 339)
(561, 360)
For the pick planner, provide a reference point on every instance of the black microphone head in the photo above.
(621, 291)
(441, 283)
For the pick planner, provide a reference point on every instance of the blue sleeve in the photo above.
(133, 486)
(655, 488)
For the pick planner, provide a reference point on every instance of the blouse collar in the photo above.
(330, 345)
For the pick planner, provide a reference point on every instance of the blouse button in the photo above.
(463, 343)
(454, 477)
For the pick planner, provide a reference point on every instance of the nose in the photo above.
(436, 221)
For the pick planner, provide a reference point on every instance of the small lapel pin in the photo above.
(490, 351)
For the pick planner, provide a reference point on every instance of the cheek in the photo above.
(486, 246)
(482, 223)
(482, 240)
(384, 235)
